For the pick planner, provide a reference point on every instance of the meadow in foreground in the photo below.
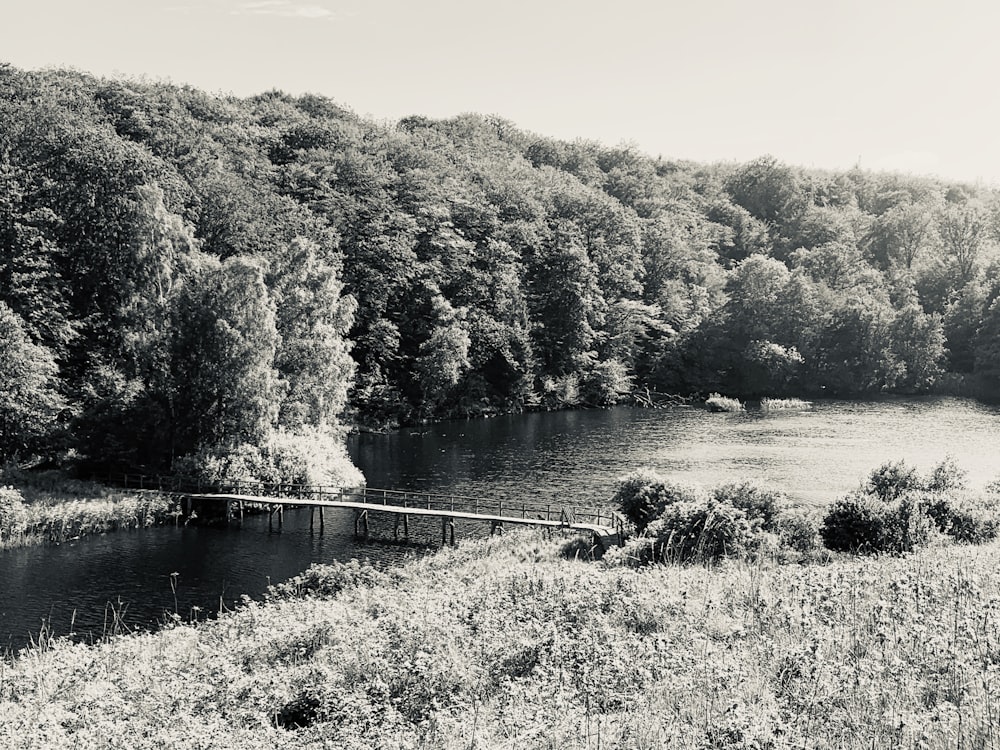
(506, 644)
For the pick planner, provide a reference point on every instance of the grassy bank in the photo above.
(501, 645)
(43, 507)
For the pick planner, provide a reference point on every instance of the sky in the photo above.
(895, 85)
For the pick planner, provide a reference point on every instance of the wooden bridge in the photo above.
(231, 498)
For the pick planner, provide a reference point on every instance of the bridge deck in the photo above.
(409, 510)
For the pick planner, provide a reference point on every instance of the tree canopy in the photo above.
(187, 275)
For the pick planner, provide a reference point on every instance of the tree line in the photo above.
(218, 284)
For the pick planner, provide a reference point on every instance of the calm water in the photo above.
(576, 457)
(559, 457)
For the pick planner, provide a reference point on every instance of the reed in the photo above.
(45, 509)
(717, 402)
(784, 404)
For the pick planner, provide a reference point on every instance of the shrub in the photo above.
(242, 462)
(866, 524)
(715, 402)
(700, 531)
(561, 392)
(327, 580)
(312, 456)
(892, 480)
(798, 531)
(967, 520)
(760, 505)
(947, 476)
(605, 383)
(305, 456)
(643, 495)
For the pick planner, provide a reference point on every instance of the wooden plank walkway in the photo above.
(606, 526)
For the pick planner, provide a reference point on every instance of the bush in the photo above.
(643, 495)
(865, 524)
(700, 531)
(798, 531)
(312, 456)
(761, 506)
(327, 580)
(715, 402)
(244, 463)
(892, 480)
(605, 383)
(306, 456)
(967, 520)
(947, 476)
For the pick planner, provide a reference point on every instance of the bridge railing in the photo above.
(374, 496)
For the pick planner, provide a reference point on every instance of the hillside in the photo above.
(212, 284)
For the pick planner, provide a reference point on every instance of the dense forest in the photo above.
(205, 283)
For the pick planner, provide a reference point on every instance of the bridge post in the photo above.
(321, 518)
(447, 528)
(406, 526)
(361, 524)
(395, 529)
(312, 512)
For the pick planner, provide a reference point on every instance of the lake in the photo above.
(126, 579)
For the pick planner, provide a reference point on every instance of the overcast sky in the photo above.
(907, 86)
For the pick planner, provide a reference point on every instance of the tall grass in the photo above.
(502, 644)
(48, 507)
(784, 404)
(717, 402)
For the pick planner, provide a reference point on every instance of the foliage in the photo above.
(798, 531)
(870, 524)
(60, 510)
(716, 402)
(762, 506)
(606, 383)
(196, 272)
(784, 404)
(13, 514)
(30, 401)
(968, 519)
(495, 644)
(326, 580)
(699, 531)
(312, 456)
(643, 496)
(892, 480)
